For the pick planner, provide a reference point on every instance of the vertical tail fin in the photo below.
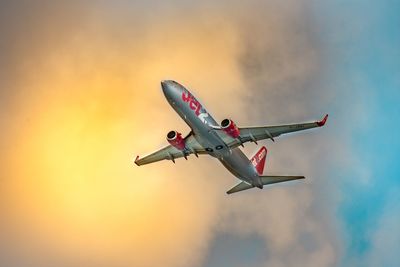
(258, 160)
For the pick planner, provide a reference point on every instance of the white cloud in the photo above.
(385, 238)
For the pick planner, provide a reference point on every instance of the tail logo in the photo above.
(258, 161)
(255, 160)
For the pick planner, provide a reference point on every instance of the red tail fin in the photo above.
(258, 160)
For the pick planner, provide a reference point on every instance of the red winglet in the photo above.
(137, 157)
(323, 121)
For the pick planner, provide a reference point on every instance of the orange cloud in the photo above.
(89, 105)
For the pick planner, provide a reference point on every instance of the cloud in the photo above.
(82, 98)
(280, 63)
(81, 108)
(386, 237)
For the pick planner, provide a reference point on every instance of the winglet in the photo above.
(323, 121)
(137, 158)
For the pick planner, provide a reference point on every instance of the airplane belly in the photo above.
(206, 136)
(239, 165)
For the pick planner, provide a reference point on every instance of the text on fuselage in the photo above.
(195, 106)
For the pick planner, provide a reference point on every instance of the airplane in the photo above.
(220, 141)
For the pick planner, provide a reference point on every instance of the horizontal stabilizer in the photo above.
(265, 180)
(240, 187)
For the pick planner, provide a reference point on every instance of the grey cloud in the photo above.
(281, 66)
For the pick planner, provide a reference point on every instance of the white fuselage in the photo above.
(203, 127)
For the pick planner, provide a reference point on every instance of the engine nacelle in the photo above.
(230, 128)
(176, 140)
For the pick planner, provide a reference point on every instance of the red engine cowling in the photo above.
(176, 140)
(230, 128)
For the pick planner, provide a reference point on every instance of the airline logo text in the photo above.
(195, 106)
(258, 157)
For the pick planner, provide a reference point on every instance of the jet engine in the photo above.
(176, 140)
(230, 128)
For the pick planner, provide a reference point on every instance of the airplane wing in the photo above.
(254, 134)
(171, 153)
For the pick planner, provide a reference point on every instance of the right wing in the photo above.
(171, 153)
(254, 134)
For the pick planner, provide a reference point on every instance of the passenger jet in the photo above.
(220, 141)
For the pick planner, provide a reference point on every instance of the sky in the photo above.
(80, 97)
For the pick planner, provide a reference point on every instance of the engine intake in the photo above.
(230, 128)
(176, 140)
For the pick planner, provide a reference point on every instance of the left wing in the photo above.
(171, 153)
(254, 134)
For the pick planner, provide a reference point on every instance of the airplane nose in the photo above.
(172, 91)
(168, 88)
(163, 85)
